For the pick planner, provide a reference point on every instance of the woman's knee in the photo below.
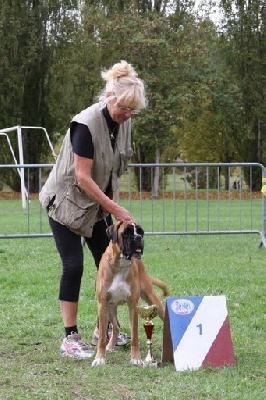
(73, 268)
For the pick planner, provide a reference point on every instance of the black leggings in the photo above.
(70, 248)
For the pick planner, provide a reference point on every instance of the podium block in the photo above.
(197, 333)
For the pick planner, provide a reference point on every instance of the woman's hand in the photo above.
(121, 214)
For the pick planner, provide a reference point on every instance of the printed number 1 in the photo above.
(200, 328)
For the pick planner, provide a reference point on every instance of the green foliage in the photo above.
(173, 54)
(28, 33)
(245, 53)
(205, 83)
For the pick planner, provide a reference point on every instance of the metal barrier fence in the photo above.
(166, 199)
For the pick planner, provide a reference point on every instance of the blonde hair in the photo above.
(123, 82)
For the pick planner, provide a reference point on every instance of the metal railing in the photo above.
(166, 199)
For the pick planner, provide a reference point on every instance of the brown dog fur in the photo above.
(122, 281)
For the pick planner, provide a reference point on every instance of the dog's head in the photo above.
(128, 235)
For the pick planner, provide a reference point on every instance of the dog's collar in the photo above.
(123, 262)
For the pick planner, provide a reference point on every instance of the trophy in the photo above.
(148, 313)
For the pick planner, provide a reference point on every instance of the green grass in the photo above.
(31, 328)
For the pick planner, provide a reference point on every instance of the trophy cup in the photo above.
(148, 313)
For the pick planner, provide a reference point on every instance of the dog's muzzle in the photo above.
(133, 243)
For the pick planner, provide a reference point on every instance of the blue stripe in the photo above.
(179, 323)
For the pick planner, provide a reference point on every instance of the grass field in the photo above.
(31, 327)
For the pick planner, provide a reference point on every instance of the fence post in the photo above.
(21, 161)
(263, 190)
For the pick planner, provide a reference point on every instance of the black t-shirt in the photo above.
(81, 138)
(82, 143)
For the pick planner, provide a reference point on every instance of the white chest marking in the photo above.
(120, 289)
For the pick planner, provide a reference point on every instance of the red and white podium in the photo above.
(197, 333)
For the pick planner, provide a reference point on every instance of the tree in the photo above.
(28, 34)
(245, 45)
(155, 43)
(206, 88)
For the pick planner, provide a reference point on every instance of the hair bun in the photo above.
(124, 86)
(119, 70)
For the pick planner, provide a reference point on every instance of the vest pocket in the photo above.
(123, 161)
(76, 211)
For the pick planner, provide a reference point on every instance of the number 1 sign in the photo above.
(197, 332)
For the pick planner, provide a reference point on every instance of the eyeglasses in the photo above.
(128, 109)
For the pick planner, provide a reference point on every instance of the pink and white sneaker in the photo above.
(73, 347)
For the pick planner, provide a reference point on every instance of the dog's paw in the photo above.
(98, 361)
(136, 361)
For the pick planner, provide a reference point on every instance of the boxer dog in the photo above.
(122, 278)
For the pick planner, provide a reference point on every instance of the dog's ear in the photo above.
(110, 231)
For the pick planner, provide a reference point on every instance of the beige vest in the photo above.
(72, 207)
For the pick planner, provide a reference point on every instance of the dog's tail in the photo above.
(162, 285)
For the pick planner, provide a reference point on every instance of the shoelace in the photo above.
(82, 344)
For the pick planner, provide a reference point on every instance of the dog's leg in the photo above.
(101, 349)
(115, 330)
(135, 351)
(148, 294)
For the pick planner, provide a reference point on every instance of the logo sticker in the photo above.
(182, 306)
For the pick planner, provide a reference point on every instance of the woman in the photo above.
(80, 191)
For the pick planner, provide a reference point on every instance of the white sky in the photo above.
(210, 7)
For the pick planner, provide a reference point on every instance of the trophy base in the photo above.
(153, 364)
(150, 361)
